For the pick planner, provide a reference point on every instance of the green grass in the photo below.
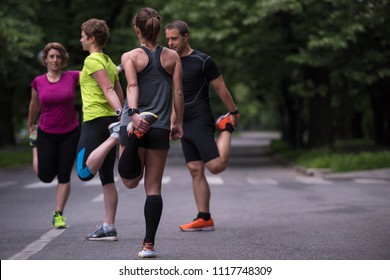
(12, 157)
(345, 156)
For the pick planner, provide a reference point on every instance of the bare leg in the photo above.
(97, 157)
(200, 186)
(110, 202)
(154, 170)
(224, 144)
(219, 164)
(35, 159)
(63, 191)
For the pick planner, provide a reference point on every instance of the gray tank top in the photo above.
(155, 89)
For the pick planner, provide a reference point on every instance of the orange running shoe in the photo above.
(149, 117)
(223, 123)
(199, 224)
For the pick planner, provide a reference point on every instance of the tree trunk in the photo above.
(380, 102)
(7, 137)
(320, 131)
(292, 126)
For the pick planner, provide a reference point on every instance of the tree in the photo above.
(19, 35)
(317, 70)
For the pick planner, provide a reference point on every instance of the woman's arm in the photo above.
(132, 91)
(109, 91)
(34, 108)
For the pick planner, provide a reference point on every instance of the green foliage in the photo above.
(15, 157)
(352, 155)
(361, 161)
(19, 34)
(276, 56)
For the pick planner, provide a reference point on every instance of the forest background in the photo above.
(317, 71)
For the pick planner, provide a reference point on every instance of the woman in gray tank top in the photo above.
(150, 71)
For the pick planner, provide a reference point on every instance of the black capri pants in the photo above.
(56, 155)
(94, 133)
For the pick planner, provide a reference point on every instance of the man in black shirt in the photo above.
(198, 142)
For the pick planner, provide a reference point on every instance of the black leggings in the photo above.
(56, 155)
(94, 133)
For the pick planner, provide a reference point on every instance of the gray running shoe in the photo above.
(102, 234)
(114, 129)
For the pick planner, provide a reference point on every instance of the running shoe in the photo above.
(147, 251)
(114, 129)
(149, 117)
(33, 136)
(198, 224)
(102, 234)
(58, 220)
(224, 123)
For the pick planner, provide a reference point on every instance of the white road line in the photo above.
(94, 182)
(37, 245)
(262, 181)
(165, 180)
(7, 184)
(370, 181)
(213, 180)
(313, 180)
(99, 198)
(40, 185)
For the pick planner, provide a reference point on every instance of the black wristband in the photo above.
(236, 112)
(132, 111)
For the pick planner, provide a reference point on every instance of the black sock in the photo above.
(152, 211)
(129, 165)
(204, 216)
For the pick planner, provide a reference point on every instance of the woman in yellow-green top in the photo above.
(102, 99)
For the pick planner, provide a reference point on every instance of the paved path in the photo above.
(263, 209)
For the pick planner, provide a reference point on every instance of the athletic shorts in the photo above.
(155, 139)
(198, 142)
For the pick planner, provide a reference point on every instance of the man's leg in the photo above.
(202, 194)
(219, 164)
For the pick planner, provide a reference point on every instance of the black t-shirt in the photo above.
(198, 71)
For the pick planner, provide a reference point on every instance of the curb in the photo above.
(326, 173)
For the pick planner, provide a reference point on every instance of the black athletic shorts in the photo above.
(198, 142)
(155, 139)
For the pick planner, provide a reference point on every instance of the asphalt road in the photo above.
(262, 208)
